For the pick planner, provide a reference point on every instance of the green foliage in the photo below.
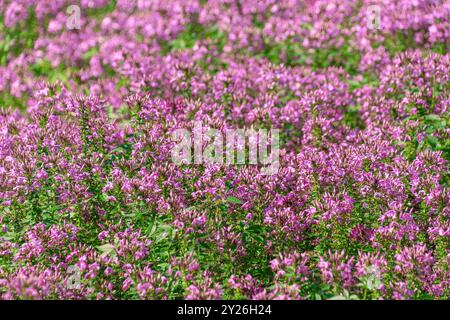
(404, 40)
(194, 33)
(8, 100)
(18, 38)
(291, 53)
(44, 68)
(353, 119)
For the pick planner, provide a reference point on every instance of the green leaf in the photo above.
(235, 200)
(433, 141)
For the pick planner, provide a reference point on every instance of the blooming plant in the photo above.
(346, 101)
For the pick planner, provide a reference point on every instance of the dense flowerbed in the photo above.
(92, 205)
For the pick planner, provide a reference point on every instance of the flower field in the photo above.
(93, 205)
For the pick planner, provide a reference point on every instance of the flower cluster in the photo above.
(93, 207)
